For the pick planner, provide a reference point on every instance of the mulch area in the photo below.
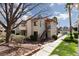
(27, 49)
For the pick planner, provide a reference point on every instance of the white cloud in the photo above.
(25, 17)
(62, 16)
(52, 4)
(56, 12)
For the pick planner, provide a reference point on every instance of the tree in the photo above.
(11, 13)
(69, 8)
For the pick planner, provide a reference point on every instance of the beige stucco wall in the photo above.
(29, 28)
(38, 28)
(42, 27)
(53, 28)
(22, 27)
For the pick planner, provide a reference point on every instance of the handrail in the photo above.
(43, 35)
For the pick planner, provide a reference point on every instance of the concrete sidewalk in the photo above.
(49, 47)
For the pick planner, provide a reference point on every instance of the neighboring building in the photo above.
(51, 27)
(64, 30)
(37, 26)
(21, 29)
(75, 26)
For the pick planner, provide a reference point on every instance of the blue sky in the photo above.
(58, 10)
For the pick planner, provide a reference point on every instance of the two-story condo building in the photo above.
(37, 26)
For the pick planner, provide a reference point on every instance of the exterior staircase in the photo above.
(42, 38)
(44, 35)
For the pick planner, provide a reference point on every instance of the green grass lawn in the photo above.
(66, 49)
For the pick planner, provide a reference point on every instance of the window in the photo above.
(49, 27)
(23, 32)
(22, 24)
(35, 23)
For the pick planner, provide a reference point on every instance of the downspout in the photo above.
(46, 30)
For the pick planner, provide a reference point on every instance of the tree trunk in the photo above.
(8, 33)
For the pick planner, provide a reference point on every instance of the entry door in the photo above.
(36, 34)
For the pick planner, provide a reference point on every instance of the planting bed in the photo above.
(27, 49)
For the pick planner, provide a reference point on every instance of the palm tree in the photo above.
(69, 8)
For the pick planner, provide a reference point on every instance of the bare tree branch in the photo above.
(11, 8)
(3, 24)
(2, 7)
(24, 12)
(17, 9)
(29, 18)
(6, 13)
(17, 25)
(35, 15)
(2, 15)
(17, 17)
(22, 9)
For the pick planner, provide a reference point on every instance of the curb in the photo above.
(32, 52)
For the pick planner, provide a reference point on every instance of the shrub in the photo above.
(75, 35)
(55, 37)
(68, 39)
(75, 41)
(75, 29)
(2, 35)
(33, 38)
(26, 39)
(2, 40)
(18, 38)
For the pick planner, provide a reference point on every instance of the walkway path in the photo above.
(49, 47)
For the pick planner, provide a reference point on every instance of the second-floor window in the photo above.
(35, 23)
(49, 26)
(22, 24)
